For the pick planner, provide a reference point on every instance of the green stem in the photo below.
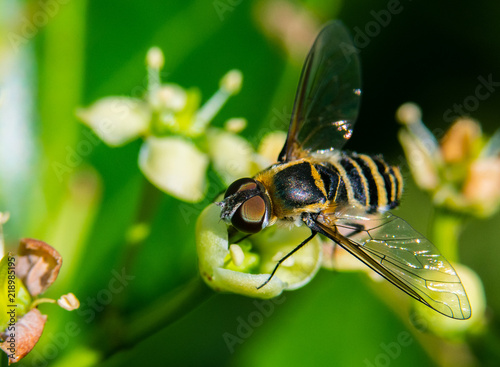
(61, 81)
(446, 229)
(4, 359)
(162, 313)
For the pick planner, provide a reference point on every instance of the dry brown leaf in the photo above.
(38, 265)
(23, 338)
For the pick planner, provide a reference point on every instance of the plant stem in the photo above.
(162, 313)
(446, 229)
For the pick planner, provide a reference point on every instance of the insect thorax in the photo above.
(325, 180)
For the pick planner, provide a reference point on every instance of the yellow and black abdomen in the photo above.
(359, 178)
(314, 184)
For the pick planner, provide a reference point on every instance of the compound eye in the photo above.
(240, 185)
(251, 216)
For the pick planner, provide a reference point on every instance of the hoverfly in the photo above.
(343, 196)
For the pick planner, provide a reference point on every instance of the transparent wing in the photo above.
(392, 248)
(328, 96)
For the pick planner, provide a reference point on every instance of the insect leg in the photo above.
(357, 228)
(313, 233)
(233, 233)
(242, 238)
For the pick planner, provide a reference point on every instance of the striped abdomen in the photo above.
(369, 181)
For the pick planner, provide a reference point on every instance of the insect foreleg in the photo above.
(356, 228)
(233, 233)
(287, 256)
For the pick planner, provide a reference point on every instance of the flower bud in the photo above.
(69, 302)
(461, 141)
(270, 147)
(231, 82)
(482, 185)
(224, 268)
(235, 125)
(423, 165)
(409, 113)
(4, 217)
(170, 97)
(155, 58)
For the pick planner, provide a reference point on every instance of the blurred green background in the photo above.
(429, 53)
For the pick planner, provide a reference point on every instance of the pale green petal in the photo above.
(270, 146)
(117, 120)
(271, 245)
(275, 242)
(170, 97)
(212, 246)
(231, 154)
(422, 163)
(175, 166)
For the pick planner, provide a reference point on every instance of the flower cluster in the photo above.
(23, 278)
(462, 171)
(242, 268)
(446, 170)
(178, 142)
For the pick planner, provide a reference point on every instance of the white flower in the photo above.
(462, 171)
(117, 120)
(175, 165)
(230, 154)
(223, 268)
(178, 141)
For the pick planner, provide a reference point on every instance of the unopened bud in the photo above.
(155, 59)
(69, 302)
(408, 113)
(172, 97)
(4, 217)
(231, 82)
(235, 125)
(483, 182)
(460, 140)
